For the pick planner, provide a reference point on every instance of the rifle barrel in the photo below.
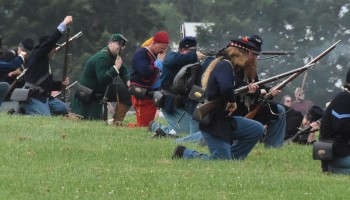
(325, 52)
(70, 39)
(294, 73)
(274, 78)
(69, 86)
(277, 53)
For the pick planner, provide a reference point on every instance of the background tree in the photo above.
(98, 19)
(306, 27)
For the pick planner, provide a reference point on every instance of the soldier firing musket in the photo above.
(202, 111)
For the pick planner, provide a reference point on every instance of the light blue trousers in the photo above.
(248, 133)
(53, 106)
(276, 130)
(185, 125)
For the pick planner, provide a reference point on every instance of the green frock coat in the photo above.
(97, 74)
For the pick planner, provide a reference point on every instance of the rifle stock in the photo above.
(203, 110)
(252, 113)
(13, 84)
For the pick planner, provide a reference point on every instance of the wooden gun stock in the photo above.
(253, 113)
(203, 110)
(14, 83)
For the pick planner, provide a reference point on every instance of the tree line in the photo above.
(306, 27)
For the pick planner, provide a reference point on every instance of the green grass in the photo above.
(56, 158)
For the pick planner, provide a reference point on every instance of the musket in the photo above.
(203, 109)
(70, 39)
(65, 65)
(265, 53)
(67, 88)
(312, 62)
(104, 102)
(259, 83)
(13, 84)
(289, 79)
(274, 78)
(277, 53)
(300, 131)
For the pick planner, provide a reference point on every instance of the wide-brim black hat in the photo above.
(314, 113)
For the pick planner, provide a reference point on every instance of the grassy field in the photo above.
(56, 158)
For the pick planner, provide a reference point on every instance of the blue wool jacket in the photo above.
(172, 64)
(143, 69)
(221, 82)
(12, 65)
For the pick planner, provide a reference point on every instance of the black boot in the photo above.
(178, 152)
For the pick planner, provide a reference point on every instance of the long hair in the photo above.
(236, 56)
(250, 70)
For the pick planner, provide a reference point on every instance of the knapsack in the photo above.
(185, 79)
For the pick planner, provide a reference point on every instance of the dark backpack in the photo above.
(185, 79)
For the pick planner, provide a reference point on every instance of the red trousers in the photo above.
(145, 111)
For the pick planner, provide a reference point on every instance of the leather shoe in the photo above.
(159, 133)
(178, 152)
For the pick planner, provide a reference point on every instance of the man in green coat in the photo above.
(100, 71)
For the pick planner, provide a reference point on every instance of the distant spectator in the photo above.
(286, 100)
(300, 103)
(293, 117)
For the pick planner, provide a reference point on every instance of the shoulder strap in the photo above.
(38, 82)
